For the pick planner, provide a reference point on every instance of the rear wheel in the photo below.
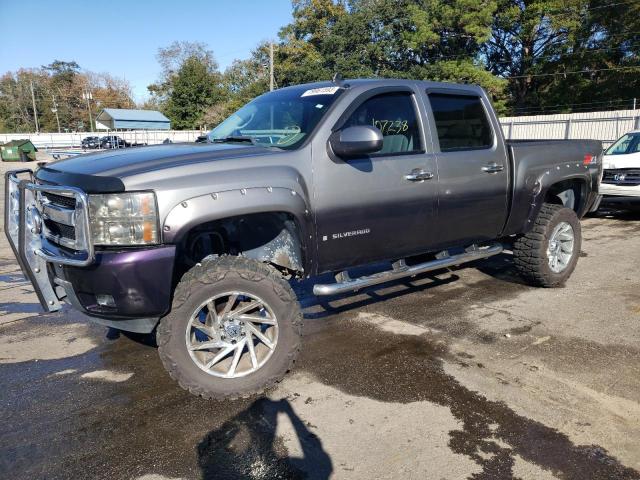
(234, 328)
(547, 255)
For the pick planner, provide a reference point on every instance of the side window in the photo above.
(461, 122)
(395, 116)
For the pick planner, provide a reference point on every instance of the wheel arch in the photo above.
(571, 193)
(267, 224)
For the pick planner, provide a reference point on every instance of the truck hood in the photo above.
(631, 160)
(121, 163)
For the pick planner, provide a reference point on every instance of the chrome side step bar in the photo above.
(401, 269)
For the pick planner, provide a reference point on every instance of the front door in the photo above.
(380, 206)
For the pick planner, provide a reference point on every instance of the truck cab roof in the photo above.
(367, 83)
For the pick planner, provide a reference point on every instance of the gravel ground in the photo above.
(466, 373)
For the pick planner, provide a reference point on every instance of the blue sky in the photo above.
(122, 37)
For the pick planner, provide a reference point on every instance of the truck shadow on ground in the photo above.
(15, 307)
(404, 369)
(123, 429)
(246, 446)
(617, 211)
(13, 278)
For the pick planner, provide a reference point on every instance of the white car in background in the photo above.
(621, 164)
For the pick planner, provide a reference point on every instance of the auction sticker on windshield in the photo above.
(320, 91)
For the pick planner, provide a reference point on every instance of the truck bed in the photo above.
(536, 164)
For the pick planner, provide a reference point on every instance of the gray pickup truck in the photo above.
(202, 242)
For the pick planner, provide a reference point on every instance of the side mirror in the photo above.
(356, 141)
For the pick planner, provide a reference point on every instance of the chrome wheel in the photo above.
(560, 249)
(232, 335)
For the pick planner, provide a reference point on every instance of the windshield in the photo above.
(629, 143)
(282, 118)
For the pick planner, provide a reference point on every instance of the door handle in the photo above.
(493, 168)
(418, 175)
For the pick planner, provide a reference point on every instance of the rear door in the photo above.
(473, 169)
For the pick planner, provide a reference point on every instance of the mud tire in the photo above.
(530, 250)
(217, 275)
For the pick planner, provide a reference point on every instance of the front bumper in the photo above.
(620, 190)
(138, 280)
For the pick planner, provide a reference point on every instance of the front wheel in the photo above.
(547, 255)
(234, 328)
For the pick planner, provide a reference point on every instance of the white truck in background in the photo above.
(621, 165)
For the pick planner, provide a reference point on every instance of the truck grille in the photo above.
(58, 214)
(622, 176)
(60, 200)
(61, 230)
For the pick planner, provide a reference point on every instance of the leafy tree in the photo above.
(60, 86)
(537, 44)
(62, 71)
(242, 81)
(194, 88)
(109, 91)
(171, 60)
(64, 83)
(422, 39)
(15, 101)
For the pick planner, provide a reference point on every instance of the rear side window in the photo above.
(395, 116)
(461, 122)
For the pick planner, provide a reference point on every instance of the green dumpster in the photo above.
(18, 151)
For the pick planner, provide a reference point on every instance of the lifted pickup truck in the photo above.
(201, 242)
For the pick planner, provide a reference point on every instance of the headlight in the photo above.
(124, 218)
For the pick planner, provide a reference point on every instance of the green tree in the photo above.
(538, 44)
(16, 111)
(60, 86)
(171, 60)
(421, 39)
(194, 88)
(64, 82)
(242, 81)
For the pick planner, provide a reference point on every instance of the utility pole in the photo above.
(270, 66)
(88, 96)
(35, 111)
(54, 109)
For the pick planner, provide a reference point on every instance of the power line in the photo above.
(582, 107)
(585, 10)
(572, 105)
(570, 73)
(542, 111)
(543, 57)
(580, 103)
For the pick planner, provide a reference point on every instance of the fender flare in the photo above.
(237, 202)
(542, 187)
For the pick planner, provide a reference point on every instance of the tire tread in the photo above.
(529, 253)
(214, 270)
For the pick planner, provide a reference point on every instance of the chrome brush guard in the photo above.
(26, 216)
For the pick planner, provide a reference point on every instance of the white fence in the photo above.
(66, 140)
(604, 126)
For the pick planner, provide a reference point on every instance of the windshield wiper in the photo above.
(234, 139)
